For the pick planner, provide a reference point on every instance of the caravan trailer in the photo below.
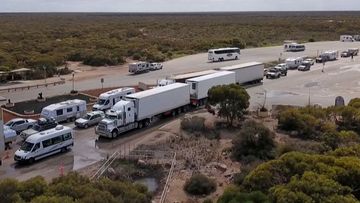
(65, 111)
(346, 38)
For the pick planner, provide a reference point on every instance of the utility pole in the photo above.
(44, 67)
(2, 137)
(73, 82)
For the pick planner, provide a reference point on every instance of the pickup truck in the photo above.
(273, 73)
(41, 125)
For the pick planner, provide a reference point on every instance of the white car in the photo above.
(90, 119)
(20, 124)
(310, 61)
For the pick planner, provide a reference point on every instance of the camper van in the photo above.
(139, 67)
(294, 63)
(346, 38)
(65, 111)
(46, 143)
(108, 99)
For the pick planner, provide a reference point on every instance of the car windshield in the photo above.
(26, 146)
(10, 123)
(111, 117)
(273, 70)
(101, 101)
(87, 117)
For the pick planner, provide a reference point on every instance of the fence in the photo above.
(28, 87)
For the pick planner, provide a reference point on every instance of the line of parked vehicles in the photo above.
(122, 110)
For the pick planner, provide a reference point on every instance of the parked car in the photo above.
(305, 66)
(345, 54)
(41, 125)
(282, 68)
(310, 60)
(20, 124)
(10, 135)
(90, 119)
(273, 73)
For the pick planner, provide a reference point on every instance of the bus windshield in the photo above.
(27, 146)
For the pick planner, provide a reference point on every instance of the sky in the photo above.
(175, 5)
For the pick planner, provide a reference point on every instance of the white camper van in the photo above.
(294, 63)
(108, 99)
(46, 143)
(65, 111)
(346, 38)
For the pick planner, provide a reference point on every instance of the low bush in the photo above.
(199, 184)
(193, 124)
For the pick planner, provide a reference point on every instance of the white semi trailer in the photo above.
(200, 86)
(139, 110)
(252, 72)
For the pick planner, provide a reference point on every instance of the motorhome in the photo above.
(294, 63)
(346, 38)
(65, 111)
(46, 143)
(223, 54)
(108, 99)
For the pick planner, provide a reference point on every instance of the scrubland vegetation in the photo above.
(36, 40)
(328, 172)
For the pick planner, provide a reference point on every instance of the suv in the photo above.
(41, 125)
(305, 66)
(20, 124)
(92, 118)
(273, 73)
(282, 68)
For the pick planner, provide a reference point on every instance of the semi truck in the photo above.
(200, 86)
(245, 73)
(138, 110)
(108, 99)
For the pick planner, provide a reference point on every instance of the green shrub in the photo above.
(255, 141)
(193, 124)
(199, 184)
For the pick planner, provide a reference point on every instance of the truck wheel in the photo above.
(140, 125)
(114, 134)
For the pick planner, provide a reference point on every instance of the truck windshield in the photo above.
(101, 101)
(27, 146)
(111, 117)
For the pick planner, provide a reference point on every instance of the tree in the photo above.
(32, 188)
(232, 99)
(199, 184)
(254, 139)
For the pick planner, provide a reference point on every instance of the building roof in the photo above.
(156, 90)
(192, 74)
(20, 70)
(210, 76)
(239, 66)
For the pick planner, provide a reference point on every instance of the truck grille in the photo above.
(102, 126)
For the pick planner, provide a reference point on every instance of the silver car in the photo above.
(20, 124)
(90, 119)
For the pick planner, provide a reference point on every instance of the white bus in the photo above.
(293, 47)
(46, 143)
(223, 54)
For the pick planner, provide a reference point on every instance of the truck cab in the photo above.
(117, 119)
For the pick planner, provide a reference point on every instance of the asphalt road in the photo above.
(180, 65)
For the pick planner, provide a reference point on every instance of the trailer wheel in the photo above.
(140, 125)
